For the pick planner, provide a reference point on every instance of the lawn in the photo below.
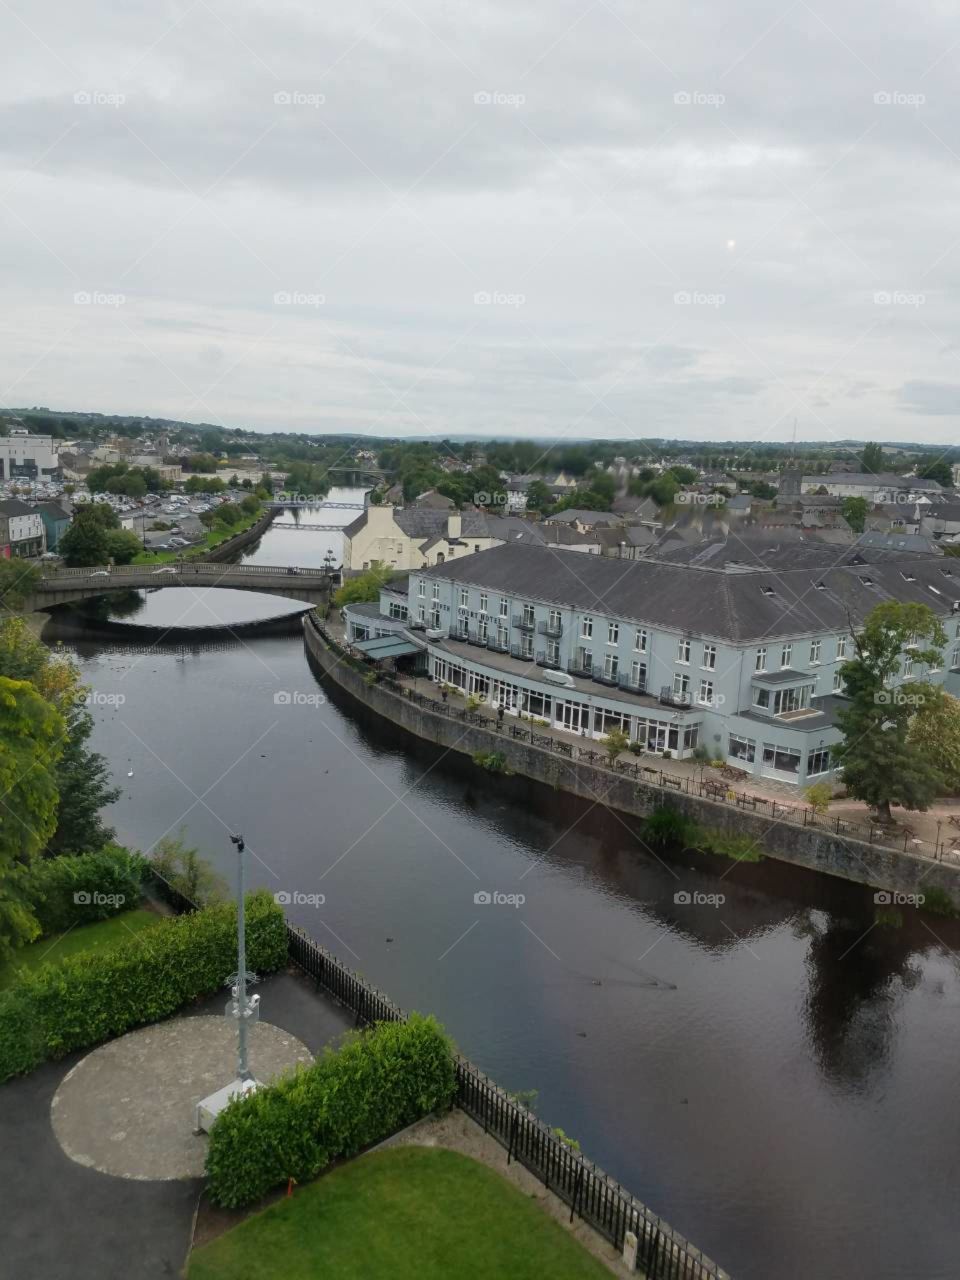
(212, 538)
(88, 937)
(404, 1212)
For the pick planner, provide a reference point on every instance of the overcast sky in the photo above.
(690, 219)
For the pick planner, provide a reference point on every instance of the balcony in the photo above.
(552, 630)
(629, 685)
(602, 676)
(583, 668)
(543, 660)
(524, 655)
(475, 637)
(458, 633)
(670, 698)
(418, 625)
(498, 646)
(523, 622)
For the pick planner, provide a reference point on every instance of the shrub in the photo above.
(818, 796)
(738, 848)
(95, 996)
(492, 761)
(191, 875)
(938, 901)
(67, 891)
(669, 826)
(379, 1081)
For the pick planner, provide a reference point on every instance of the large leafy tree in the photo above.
(872, 458)
(364, 587)
(935, 729)
(86, 542)
(31, 740)
(881, 764)
(940, 470)
(854, 511)
(82, 775)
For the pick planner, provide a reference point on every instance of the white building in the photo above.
(28, 457)
(881, 489)
(21, 529)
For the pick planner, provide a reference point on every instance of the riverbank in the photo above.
(567, 767)
(216, 544)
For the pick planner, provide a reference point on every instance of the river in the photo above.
(776, 1075)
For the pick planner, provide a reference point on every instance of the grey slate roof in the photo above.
(580, 515)
(14, 507)
(884, 478)
(727, 605)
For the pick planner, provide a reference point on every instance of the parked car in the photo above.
(164, 569)
(100, 573)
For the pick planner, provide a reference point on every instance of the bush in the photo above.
(94, 996)
(938, 901)
(80, 890)
(378, 1082)
(492, 761)
(669, 826)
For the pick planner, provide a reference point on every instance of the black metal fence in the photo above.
(662, 1253)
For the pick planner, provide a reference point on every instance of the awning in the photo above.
(385, 647)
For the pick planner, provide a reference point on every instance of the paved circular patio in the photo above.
(127, 1108)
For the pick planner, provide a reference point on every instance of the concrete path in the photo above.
(66, 1222)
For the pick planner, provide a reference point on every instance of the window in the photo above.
(435, 618)
(611, 665)
(681, 684)
(761, 662)
(955, 657)
(837, 682)
(706, 692)
(786, 653)
(613, 633)
(436, 591)
(683, 650)
(528, 618)
(421, 588)
(761, 697)
(464, 597)
(502, 637)
(907, 668)
(742, 749)
(638, 675)
(640, 641)
(483, 603)
(710, 656)
(476, 547)
(818, 761)
(526, 645)
(504, 607)
(586, 628)
(785, 700)
(555, 621)
(482, 630)
(814, 651)
(691, 736)
(841, 646)
(421, 615)
(553, 652)
(781, 759)
(397, 610)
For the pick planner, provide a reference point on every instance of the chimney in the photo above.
(454, 525)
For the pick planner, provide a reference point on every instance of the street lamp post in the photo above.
(239, 1007)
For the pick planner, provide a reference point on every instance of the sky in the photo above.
(590, 218)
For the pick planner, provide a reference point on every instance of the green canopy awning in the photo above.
(386, 647)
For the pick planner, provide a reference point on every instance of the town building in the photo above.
(28, 457)
(56, 521)
(21, 529)
(884, 488)
(744, 659)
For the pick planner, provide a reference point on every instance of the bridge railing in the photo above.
(193, 569)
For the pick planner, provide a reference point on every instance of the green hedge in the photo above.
(92, 997)
(378, 1082)
(69, 891)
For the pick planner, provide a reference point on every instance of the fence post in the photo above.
(514, 1125)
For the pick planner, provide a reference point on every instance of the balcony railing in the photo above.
(458, 633)
(626, 682)
(553, 630)
(523, 622)
(670, 698)
(496, 645)
(517, 651)
(475, 637)
(544, 660)
(418, 625)
(583, 668)
(602, 676)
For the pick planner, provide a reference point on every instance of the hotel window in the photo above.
(526, 645)
(482, 630)
(683, 650)
(955, 658)
(681, 683)
(814, 651)
(691, 736)
(841, 646)
(640, 641)
(421, 588)
(436, 591)
(761, 697)
(837, 682)
(611, 664)
(502, 636)
(504, 607)
(638, 675)
(464, 597)
(553, 652)
(785, 700)
(783, 759)
(483, 603)
(586, 628)
(710, 656)
(613, 633)
(907, 668)
(761, 662)
(555, 620)
(706, 692)
(528, 618)
(742, 749)
(435, 619)
(786, 653)
(421, 615)
(818, 761)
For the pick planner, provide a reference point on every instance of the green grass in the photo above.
(89, 937)
(405, 1212)
(212, 538)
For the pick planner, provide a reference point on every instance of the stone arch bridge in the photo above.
(65, 586)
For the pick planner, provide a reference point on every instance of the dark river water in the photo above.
(776, 1075)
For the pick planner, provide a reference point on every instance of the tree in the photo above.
(182, 866)
(18, 580)
(31, 741)
(854, 511)
(204, 484)
(83, 778)
(364, 587)
(941, 471)
(123, 545)
(935, 730)
(880, 764)
(85, 542)
(872, 458)
(818, 796)
(539, 497)
(615, 742)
